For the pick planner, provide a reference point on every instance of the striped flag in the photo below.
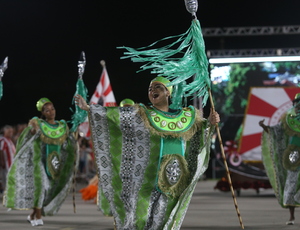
(8, 150)
(103, 95)
(273, 109)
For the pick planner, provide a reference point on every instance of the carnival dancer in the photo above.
(7, 153)
(149, 158)
(183, 61)
(281, 157)
(42, 171)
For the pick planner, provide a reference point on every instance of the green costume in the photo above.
(149, 163)
(42, 171)
(281, 158)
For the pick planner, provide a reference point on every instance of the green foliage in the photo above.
(291, 67)
(235, 95)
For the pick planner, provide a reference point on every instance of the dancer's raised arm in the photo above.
(81, 102)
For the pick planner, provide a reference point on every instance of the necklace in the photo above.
(53, 130)
(171, 122)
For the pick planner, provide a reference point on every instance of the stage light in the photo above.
(253, 59)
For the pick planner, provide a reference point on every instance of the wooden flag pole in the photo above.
(225, 163)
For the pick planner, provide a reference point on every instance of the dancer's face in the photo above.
(49, 111)
(158, 94)
(8, 132)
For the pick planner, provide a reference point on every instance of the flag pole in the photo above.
(225, 163)
(192, 7)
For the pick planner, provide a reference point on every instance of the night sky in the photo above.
(44, 39)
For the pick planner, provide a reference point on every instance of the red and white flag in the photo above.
(103, 95)
(8, 149)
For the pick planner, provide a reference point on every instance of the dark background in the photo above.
(44, 39)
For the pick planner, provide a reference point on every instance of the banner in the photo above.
(103, 95)
(268, 103)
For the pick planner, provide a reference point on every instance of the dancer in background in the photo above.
(84, 158)
(281, 158)
(7, 153)
(149, 159)
(18, 129)
(41, 175)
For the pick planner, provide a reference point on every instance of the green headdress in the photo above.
(40, 103)
(165, 82)
(179, 61)
(126, 102)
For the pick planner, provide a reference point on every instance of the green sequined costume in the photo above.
(42, 171)
(149, 163)
(280, 155)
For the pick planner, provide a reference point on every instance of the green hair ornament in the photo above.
(80, 115)
(40, 103)
(163, 81)
(126, 102)
(3, 67)
(165, 62)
